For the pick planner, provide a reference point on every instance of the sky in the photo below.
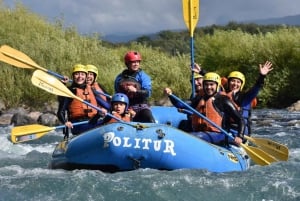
(120, 17)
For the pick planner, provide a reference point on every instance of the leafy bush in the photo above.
(166, 58)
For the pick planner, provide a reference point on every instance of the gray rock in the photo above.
(48, 119)
(21, 119)
(5, 119)
(294, 107)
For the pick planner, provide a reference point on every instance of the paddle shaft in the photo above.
(263, 158)
(102, 93)
(74, 124)
(201, 115)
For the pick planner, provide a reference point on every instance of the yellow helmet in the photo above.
(238, 75)
(196, 76)
(93, 69)
(79, 68)
(212, 77)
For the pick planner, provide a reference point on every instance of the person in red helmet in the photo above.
(136, 84)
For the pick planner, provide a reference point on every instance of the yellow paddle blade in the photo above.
(277, 150)
(190, 14)
(29, 132)
(19, 57)
(13, 62)
(258, 156)
(51, 84)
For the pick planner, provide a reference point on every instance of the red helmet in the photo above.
(132, 56)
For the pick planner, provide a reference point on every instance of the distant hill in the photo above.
(120, 38)
(288, 20)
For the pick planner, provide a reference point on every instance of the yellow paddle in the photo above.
(54, 86)
(190, 10)
(257, 155)
(19, 59)
(13, 62)
(277, 150)
(34, 131)
(16, 58)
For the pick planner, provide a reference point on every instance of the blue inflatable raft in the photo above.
(125, 146)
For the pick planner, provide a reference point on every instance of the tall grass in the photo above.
(59, 49)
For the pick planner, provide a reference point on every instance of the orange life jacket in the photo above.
(80, 110)
(208, 110)
(125, 118)
(230, 95)
(254, 103)
(95, 86)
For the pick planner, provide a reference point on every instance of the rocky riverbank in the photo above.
(47, 115)
(25, 115)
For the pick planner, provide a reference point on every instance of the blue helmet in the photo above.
(120, 97)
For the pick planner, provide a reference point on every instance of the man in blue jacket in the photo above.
(136, 84)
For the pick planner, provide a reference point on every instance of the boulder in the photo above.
(48, 119)
(294, 107)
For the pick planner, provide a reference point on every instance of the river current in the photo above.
(24, 173)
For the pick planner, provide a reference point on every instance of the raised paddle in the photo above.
(191, 15)
(16, 58)
(34, 131)
(257, 155)
(13, 62)
(19, 59)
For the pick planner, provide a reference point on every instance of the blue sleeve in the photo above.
(145, 82)
(116, 84)
(102, 103)
(253, 92)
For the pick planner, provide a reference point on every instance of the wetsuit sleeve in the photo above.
(62, 111)
(231, 112)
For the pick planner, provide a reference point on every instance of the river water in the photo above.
(24, 174)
